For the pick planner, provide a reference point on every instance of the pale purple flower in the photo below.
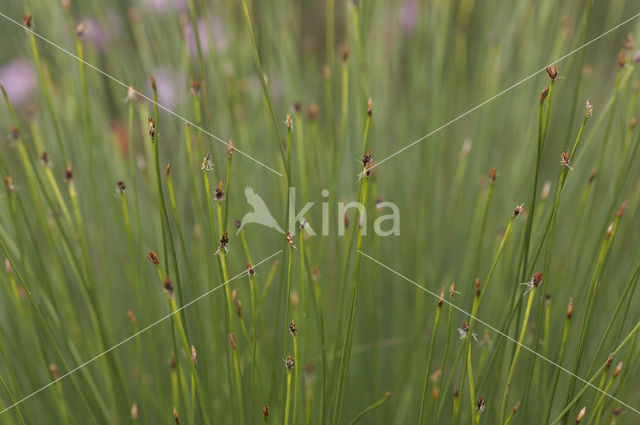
(171, 87)
(94, 33)
(409, 15)
(219, 35)
(161, 7)
(19, 80)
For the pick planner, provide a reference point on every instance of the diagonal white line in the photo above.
(112, 78)
(502, 92)
(91, 360)
(501, 333)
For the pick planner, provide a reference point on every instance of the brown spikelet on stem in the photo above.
(609, 361)
(250, 270)
(239, 309)
(121, 187)
(617, 370)
(265, 411)
(27, 20)
(518, 210)
(570, 309)
(152, 128)
(516, 407)
(369, 107)
(588, 109)
(345, 53)
(288, 121)
(234, 294)
(194, 85)
(481, 404)
(290, 240)
(194, 355)
(131, 316)
(152, 80)
(68, 173)
(219, 191)
(592, 176)
(544, 93)
(326, 72)
(289, 361)
(168, 286)
(175, 416)
(537, 279)
(80, 30)
(9, 183)
(441, 299)
(232, 342)
(452, 290)
(15, 134)
(292, 328)
(622, 58)
(628, 41)
(230, 148)
(456, 392)
(552, 71)
(581, 415)
(478, 284)
(55, 372)
(609, 231)
(622, 209)
(492, 174)
(153, 257)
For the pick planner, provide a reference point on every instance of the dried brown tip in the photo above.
(315, 274)
(68, 173)
(169, 169)
(294, 299)
(131, 316)
(345, 53)
(168, 286)
(547, 300)
(518, 210)
(55, 372)
(617, 370)
(478, 284)
(552, 71)
(544, 93)
(633, 123)
(369, 106)
(172, 361)
(387, 395)
(175, 416)
(516, 407)
(15, 134)
(239, 308)
(313, 110)
(441, 299)
(581, 415)
(194, 356)
(234, 294)
(565, 159)
(153, 257)
(265, 411)
(622, 58)
(250, 270)
(134, 411)
(537, 279)
(27, 20)
(230, 148)
(545, 191)
(288, 121)
(326, 72)
(154, 86)
(593, 175)
(570, 308)
(219, 191)
(121, 187)
(80, 29)
(289, 362)
(232, 342)
(152, 128)
(622, 209)
(616, 411)
(492, 174)
(292, 328)
(588, 109)
(452, 290)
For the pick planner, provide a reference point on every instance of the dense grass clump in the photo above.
(452, 189)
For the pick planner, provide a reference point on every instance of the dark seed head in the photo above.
(68, 173)
(27, 21)
(570, 308)
(153, 257)
(537, 279)
(168, 286)
(292, 328)
(622, 58)
(552, 71)
(232, 342)
(289, 362)
(265, 411)
(543, 94)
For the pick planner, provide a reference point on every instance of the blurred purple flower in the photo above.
(219, 35)
(171, 87)
(161, 7)
(95, 34)
(19, 79)
(409, 15)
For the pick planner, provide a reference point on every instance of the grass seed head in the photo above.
(289, 238)
(622, 209)
(452, 290)
(152, 128)
(588, 113)
(239, 308)
(441, 299)
(175, 416)
(194, 356)
(492, 174)
(9, 183)
(552, 71)
(288, 121)
(545, 191)
(154, 86)
(628, 41)
(219, 194)
(570, 309)
(581, 415)
(265, 411)
(326, 72)
(518, 210)
(617, 370)
(369, 107)
(230, 148)
(250, 271)
(27, 20)
(345, 54)
(80, 30)
(292, 328)
(121, 187)
(478, 284)
(134, 411)
(131, 316)
(481, 404)
(68, 173)
(55, 372)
